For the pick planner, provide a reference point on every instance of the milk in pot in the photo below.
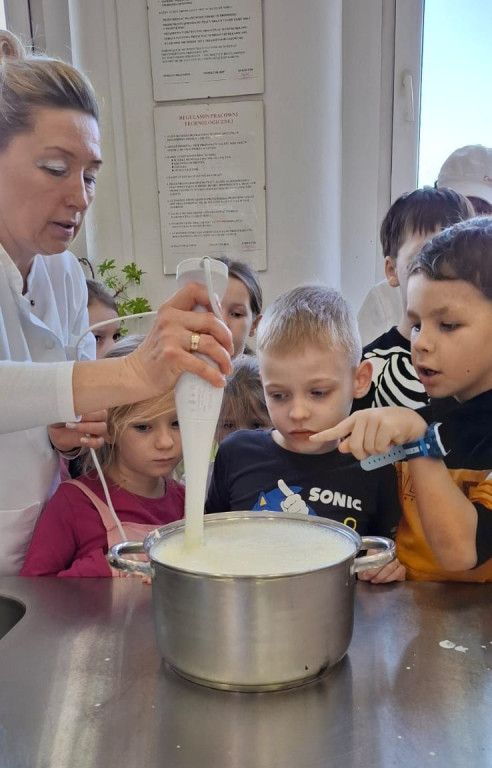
(256, 547)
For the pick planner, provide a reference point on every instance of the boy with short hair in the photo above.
(446, 484)
(409, 223)
(309, 354)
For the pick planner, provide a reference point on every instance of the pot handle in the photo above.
(367, 562)
(130, 566)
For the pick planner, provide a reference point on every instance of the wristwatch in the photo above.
(429, 445)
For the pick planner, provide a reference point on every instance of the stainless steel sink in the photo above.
(11, 611)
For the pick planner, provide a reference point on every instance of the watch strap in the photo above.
(429, 445)
(397, 453)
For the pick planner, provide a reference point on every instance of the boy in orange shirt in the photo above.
(446, 484)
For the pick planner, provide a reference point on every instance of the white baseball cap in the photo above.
(468, 170)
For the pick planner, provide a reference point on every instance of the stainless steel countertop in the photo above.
(82, 686)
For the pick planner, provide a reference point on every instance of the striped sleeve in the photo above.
(395, 379)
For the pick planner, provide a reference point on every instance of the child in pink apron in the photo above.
(76, 527)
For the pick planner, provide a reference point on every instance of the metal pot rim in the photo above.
(165, 530)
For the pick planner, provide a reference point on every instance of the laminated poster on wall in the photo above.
(211, 179)
(205, 48)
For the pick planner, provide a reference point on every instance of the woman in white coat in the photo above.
(49, 161)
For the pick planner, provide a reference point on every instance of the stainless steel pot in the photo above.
(254, 633)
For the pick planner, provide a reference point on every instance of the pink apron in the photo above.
(133, 531)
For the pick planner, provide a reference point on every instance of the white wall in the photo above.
(327, 119)
(303, 141)
(368, 52)
(302, 134)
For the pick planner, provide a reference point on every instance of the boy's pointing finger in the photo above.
(338, 432)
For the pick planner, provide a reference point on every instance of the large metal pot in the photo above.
(253, 633)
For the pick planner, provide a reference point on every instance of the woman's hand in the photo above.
(165, 354)
(166, 351)
(89, 432)
(374, 430)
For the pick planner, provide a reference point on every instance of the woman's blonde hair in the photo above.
(123, 416)
(29, 81)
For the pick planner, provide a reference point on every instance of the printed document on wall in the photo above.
(204, 48)
(211, 179)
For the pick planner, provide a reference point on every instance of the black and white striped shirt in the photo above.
(394, 379)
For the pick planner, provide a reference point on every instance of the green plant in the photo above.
(117, 281)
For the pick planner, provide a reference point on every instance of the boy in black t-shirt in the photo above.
(410, 222)
(309, 354)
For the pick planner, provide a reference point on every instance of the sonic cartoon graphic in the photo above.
(282, 499)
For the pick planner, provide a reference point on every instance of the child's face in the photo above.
(148, 450)
(451, 337)
(310, 390)
(237, 314)
(396, 269)
(108, 334)
(255, 418)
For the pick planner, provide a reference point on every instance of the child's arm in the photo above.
(449, 520)
(92, 565)
(55, 544)
(374, 430)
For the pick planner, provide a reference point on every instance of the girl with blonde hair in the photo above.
(76, 528)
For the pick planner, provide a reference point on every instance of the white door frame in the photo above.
(406, 96)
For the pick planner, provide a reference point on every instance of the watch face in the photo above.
(434, 441)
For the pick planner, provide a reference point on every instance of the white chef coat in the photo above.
(38, 331)
(380, 311)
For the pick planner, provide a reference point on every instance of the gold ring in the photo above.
(195, 340)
